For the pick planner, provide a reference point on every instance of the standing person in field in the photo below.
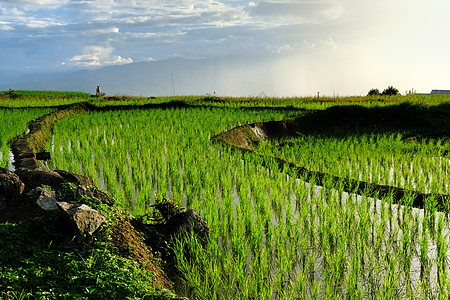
(97, 91)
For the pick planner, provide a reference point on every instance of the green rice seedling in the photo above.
(352, 281)
(39, 99)
(431, 205)
(271, 236)
(424, 261)
(388, 285)
(406, 254)
(442, 247)
(324, 153)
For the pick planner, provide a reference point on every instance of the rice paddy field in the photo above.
(273, 236)
(385, 159)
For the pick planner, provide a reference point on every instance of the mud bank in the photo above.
(40, 130)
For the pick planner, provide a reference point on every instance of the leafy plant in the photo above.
(390, 91)
(374, 92)
(37, 260)
(165, 209)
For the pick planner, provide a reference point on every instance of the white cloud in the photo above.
(37, 2)
(36, 23)
(99, 31)
(14, 11)
(293, 11)
(96, 56)
(334, 12)
(285, 49)
(4, 26)
(118, 60)
(328, 43)
(21, 18)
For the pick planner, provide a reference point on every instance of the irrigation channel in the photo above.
(279, 231)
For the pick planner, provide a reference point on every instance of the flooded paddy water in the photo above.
(272, 236)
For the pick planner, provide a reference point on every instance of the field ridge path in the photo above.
(26, 146)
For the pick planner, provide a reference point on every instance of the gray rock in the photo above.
(75, 178)
(46, 199)
(11, 187)
(85, 219)
(55, 179)
(33, 179)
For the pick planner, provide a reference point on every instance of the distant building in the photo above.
(440, 92)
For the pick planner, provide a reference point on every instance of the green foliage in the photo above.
(28, 99)
(165, 209)
(37, 260)
(39, 94)
(390, 91)
(271, 236)
(68, 193)
(374, 92)
(380, 158)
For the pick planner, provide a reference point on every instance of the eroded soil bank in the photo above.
(423, 122)
(40, 130)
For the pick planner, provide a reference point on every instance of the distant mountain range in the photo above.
(225, 76)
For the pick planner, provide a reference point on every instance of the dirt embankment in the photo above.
(40, 130)
(346, 119)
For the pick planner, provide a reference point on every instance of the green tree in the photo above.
(374, 92)
(390, 91)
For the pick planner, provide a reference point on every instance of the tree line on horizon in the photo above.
(389, 91)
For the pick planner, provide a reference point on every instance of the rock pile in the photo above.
(24, 188)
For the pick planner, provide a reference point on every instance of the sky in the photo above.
(338, 47)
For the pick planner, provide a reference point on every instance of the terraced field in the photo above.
(278, 233)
